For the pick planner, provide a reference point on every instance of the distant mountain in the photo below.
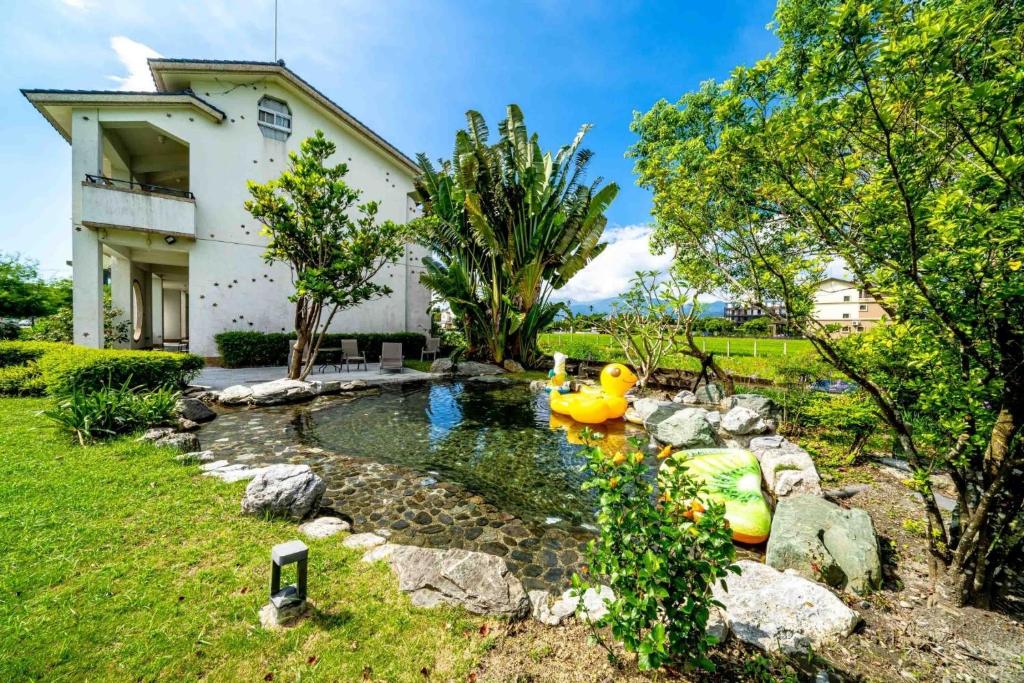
(712, 309)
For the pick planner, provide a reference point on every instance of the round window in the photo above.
(137, 310)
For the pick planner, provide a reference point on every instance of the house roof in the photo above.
(175, 73)
(55, 105)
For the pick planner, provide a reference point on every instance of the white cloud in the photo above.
(133, 55)
(606, 276)
(77, 4)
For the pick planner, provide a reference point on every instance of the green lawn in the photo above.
(736, 354)
(116, 563)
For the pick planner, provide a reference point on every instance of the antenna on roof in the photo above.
(275, 30)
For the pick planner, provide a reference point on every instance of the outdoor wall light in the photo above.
(170, 239)
(288, 603)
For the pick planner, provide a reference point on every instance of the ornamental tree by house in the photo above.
(334, 244)
(886, 134)
(506, 225)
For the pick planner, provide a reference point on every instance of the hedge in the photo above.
(31, 367)
(254, 349)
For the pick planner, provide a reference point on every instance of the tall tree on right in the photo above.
(887, 134)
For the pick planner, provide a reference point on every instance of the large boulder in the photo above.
(787, 468)
(235, 395)
(824, 542)
(681, 427)
(709, 393)
(282, 391)
(762, 405)
(685, 396)
(184, 442)
(195, 410)
(743, 421)
(466, 368)
(642, 408)
(290, 491)
(776, 611)
(480, 582)
(513, 366)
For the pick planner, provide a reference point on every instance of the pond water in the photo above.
(477, 464)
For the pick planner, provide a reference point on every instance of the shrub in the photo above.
(112, 410)
(9, 330)
(59, 327)
(658, 558)
(254, 349)
(21, 380)
(62, 368)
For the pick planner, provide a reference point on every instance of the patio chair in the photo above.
(350, 353)
(432, 347)
(391, 356)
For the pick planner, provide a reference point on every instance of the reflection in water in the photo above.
(497, 440)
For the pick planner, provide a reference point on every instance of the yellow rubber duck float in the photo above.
(591, 405)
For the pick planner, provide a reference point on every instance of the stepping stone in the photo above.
(365, 540)
(322, 527)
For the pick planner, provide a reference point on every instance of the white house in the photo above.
(845, 304)
(158, 181)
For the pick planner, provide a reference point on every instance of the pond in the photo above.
(479, 464)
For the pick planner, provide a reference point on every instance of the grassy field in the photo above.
(116, 563)
(746, 356)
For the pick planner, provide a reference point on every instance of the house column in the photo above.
(86, 250)
(156, 307)
(121, 295)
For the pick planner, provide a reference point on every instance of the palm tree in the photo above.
(507, 224)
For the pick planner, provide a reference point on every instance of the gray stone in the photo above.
(233, 473)
(762, 405)
(685, 396)
(362, 541)
(182, 441)
(195, 410)
(275, 617)
(513, 366)
(717, 626)
(642, 408)
(195, 457)
(709, 393)
(681, 427)
(548, 611)
(479, 582)
(593, 605)
(742, 421)
(376, 553)
(776, 611)
(235, 395)
(824, 542)
(282, 391)
(355, 385)
(714, 419)
(290, 491)
(322, 527)
(185, 425)
(156, 434)
(466, 368)
(787, 469)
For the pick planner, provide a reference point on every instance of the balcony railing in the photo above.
(141, 187)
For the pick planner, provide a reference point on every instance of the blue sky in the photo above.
(409, 70)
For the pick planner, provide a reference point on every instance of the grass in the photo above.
(736, 354)
(117, 563)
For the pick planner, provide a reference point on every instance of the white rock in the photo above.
(282, 391)
(775, 611)
(235, 395)
(642, 408)
(195, 456)
(365, 540)
(593, 607)
(290, 491)
(548, 611)
(742, 421)
(685, 396)
(378, 553)
(322, 527)
(214, 465)
(233, 473)
(787, 469)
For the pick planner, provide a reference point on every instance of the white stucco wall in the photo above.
(229, 285)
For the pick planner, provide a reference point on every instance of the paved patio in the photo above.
(222, 378)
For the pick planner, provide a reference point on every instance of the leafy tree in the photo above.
(756, 327)
(716, 326)
(24, 294)
(334, 245)
(507, 224)
(885, 133)
(59, 327)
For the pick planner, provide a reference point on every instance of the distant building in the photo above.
(739, 313)
(846, 304)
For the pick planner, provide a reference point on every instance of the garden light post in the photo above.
(288, 603)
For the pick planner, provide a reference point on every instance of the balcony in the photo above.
(112, 203)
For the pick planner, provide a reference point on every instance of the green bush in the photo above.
(112, 410)
(62, 368)
(658, 557)
(255, 349)
(21, 380)
(9, 330)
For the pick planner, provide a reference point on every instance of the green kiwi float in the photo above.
(731, 476)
